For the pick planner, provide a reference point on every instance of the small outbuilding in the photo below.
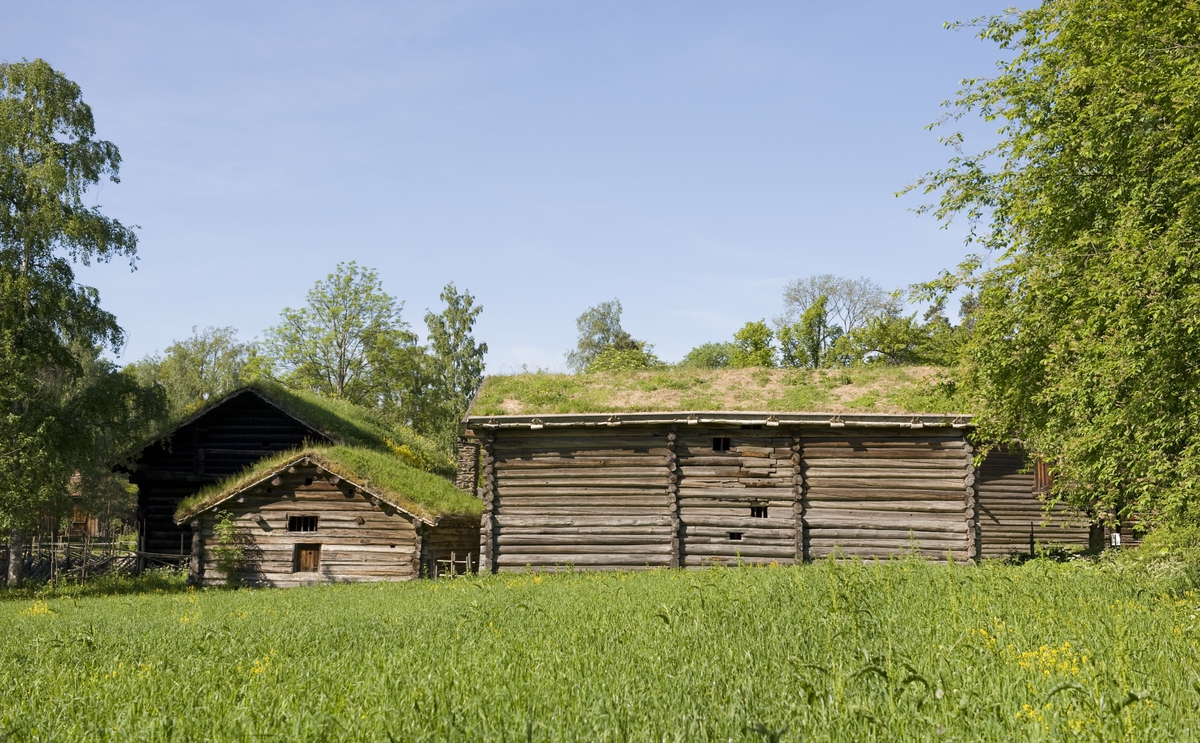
(330, 514)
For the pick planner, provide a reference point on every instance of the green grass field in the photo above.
(853, 652)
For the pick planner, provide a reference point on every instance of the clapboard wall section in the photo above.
(1012, 520)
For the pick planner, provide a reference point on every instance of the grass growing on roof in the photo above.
(414, 490)
(864, 389)
(355, 425)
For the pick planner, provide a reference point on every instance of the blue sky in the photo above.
(688, 158)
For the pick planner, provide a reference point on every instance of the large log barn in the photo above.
(647, 488)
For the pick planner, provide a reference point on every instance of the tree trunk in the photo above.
(16, 544)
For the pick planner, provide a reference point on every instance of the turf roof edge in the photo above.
(253, 478)
(743, 417)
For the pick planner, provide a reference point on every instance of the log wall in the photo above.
(876, 495)
(1011, 519)
(593, 499)
(360, 539)
(737, 504)
(677, 495)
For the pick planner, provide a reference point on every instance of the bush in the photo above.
(708, 356)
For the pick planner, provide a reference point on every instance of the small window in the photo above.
(307, 558)
(735, 536)
(721, 444)
(758, 512)
(302, 523)
(307, 481)
(752, 426)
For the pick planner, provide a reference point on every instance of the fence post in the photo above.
(15, 563)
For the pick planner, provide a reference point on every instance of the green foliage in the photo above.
(226, 548)
(845, 303)
(205, 367)
(1084, 341)
(752, 346)
(626, 359)
(348, 341)
(599, 330)
(898, 651)
(891, 339)
(456, 362)
(808, 343)
(61, 404)
(708, 356)
(393, 473)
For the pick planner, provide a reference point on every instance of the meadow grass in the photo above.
(903, 650)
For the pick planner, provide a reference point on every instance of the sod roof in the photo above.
(342, 422)
(424, 495)
(867, 389)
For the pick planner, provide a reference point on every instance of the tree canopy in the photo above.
(599, 330)
(193, 371)
(61, 405)
(1084, 341)
(347, 340)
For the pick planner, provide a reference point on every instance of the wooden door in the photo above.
(308, 558)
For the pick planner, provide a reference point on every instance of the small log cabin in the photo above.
(233, 433)
(330, 514)
(664, 488)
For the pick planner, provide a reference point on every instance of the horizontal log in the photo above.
(869, 496)
(534, 559)
(850, 521)
(919, 463)
(589, 530)
(638, 511)
(749, 536)
(505, 474)
(890, 508)
(506, 500)
(581, 462)
(880, 553)
(560, 538)
(549, 549)
(573, 492)
(894, 481)
(712, 505)
(749, 550)
(559, 520)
